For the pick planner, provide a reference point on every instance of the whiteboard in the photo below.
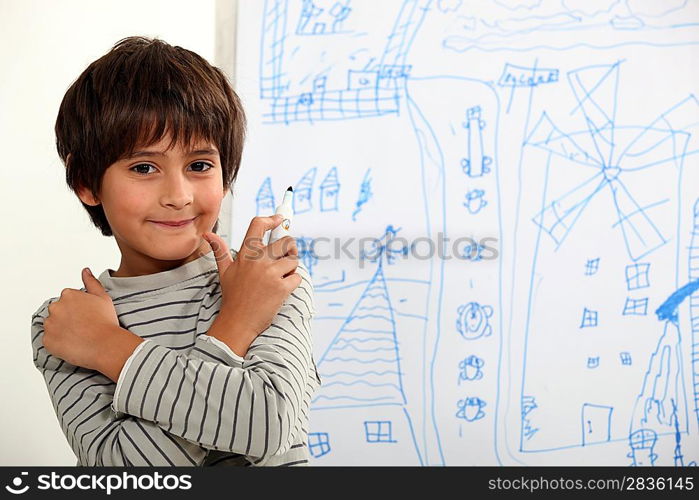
(497, 202)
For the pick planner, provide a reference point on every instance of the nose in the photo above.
(177, 191)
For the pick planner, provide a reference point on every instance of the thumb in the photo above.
(221, 252)
(92, 284)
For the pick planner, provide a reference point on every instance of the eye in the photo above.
(141, 165)
(200, 164)
(197, 166)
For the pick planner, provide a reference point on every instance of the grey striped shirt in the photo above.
(184, 398)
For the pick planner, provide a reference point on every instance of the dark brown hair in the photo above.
(132, 97)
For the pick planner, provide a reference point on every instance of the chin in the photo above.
(174, 250)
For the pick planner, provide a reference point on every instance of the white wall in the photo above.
(47, 237)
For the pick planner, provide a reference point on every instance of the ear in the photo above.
(84, 193)
(87, 197)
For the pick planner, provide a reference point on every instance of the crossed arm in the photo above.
(170, 408)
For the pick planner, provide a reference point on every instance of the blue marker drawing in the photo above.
(470, 369)
(379, 432)
(361, 368)
(318, 444)
(625, 358)
(362, 364)
(371, 92)
(303, 192)
(660, 406)
(694, 306)
(642, 443)
(272, 49)
(306, 254)
(365, 194)
(448, 6)
(528, 405)
(265, 198)
(637, 276)
(518, 120)
(594, 89)
(476, 164)
(515, 77)
(329, 192)
(635, 307)
(520, 76)
(470, 409)
(473, 321)
(593, 25)
(596, 423)
(604, 178)
(589, 318)
(475, 201)
(320, 17)
(472, 251)
(679, 456)
(591, 267)
(386, 246)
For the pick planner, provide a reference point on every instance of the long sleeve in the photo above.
(256, 409)
(83, 402)
(205, 347)
(171, 408)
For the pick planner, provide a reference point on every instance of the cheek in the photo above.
(133, 200)
(210, 199)
(127, 206)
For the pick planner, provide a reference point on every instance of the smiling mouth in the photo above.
(173, 225)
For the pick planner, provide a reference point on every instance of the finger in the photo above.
(258, 227)
(285, 265)
(92, 284)
(282, 247)
(292, 281)
(221, 251)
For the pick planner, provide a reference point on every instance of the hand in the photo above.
(255, 284)
(81, 328)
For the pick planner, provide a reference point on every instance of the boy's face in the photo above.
(155, 186)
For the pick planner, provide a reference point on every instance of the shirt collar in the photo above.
(156, 281)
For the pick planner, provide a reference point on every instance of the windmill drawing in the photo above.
(610, 152)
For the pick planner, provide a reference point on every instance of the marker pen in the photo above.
(286, 211)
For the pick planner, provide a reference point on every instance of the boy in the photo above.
(189, 353)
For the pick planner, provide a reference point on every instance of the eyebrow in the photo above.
(162, 153)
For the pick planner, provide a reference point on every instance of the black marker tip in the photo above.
(290, 189)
